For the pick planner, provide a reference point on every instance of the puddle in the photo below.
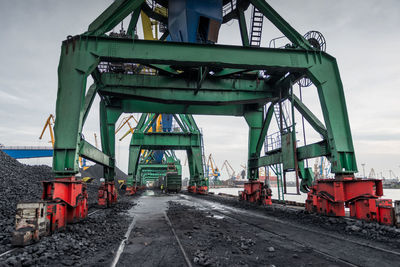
(218, 217)
(148, 193)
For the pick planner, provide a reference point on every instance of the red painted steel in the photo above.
(191, 189)
(361, 196)
(202, 190)
(131, 190)
(107, 194)
(67, 201)
(256, 192)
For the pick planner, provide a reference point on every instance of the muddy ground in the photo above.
(388, 235)
(215, 240)
(213, 231)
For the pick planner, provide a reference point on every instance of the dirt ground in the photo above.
(210, 231)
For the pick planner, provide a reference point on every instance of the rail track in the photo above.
(374, 255)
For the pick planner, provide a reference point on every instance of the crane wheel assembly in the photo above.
(107, 195)
(256, 192)
(64, 201)
(361, 196)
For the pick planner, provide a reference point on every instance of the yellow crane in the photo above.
(49, 124)
(210, 162)
(125, 121)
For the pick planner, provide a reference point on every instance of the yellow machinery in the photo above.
(214, 171)
(125, 121)
(49, 123)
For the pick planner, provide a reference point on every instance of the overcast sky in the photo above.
(363, 35)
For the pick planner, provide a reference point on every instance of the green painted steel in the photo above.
(142, 139)
(230, 86)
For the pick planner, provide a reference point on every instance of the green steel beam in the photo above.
(152, 122)
(73, 70)
(165, 141)
(108, 117)
(139, 106)
(90, 152)
(113, 15)
(133, 22)
(310, 117)
(187, 54)
(183, 126)
(265, 127)
(243, 27)
(150, 82)
(89, 98)
(333, 104)
(304, 152)
(255, 121)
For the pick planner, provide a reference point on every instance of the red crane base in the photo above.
(256, 192)
(191, 189)
(64, 201)
(202, 190)
(361, 196)
(131, 190)
(107, 194)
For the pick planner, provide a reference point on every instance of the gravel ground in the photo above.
(388, 235)
(213, 240)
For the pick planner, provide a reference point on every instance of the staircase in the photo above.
(285, 116)
(257, 19)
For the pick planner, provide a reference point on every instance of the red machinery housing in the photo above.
(202, 190)
(256, 192)
(64, 201)
(191, 189)
(361, 196)
(131, 190)
(107, 194)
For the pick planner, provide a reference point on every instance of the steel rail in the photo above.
(321, 233)
(189, 264)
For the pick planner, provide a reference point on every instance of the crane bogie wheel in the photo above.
(316, 40)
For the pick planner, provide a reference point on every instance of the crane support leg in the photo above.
(361, 196)
(107, 194)
(254, 190)
(64, 201)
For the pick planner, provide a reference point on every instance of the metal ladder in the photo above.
(285, 116)
(257, 19)
(277, 169)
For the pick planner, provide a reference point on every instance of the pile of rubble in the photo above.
(18, 182)
(78, 244)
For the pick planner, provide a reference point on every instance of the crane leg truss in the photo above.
(188, 138)
(205, 79)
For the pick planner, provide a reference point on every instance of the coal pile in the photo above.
(97, 171)
(18, 182)
(91, 242)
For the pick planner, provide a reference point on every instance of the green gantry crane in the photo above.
(205, 79)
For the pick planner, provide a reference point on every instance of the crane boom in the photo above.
(49, 123)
